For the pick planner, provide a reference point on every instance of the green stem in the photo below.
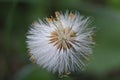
(8, 26)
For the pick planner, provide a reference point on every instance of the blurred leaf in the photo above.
(114, 3)
(31, 72)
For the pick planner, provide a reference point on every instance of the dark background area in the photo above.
(16, 16)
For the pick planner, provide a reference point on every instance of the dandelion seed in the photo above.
(62, 44)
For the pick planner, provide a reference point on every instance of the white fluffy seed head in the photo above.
(62, 44)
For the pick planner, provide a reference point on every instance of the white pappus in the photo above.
(62, 44)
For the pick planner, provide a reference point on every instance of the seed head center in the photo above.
(62, 39)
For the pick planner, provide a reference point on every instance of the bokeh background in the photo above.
(17, 15)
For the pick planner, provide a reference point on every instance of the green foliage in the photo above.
(31, 72)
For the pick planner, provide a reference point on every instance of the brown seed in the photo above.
(57, 14)
(71, 15)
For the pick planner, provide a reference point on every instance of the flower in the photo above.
(62, 44)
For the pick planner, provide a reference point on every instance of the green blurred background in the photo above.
(17, 15)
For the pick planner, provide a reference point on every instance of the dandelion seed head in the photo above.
(62, 44)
